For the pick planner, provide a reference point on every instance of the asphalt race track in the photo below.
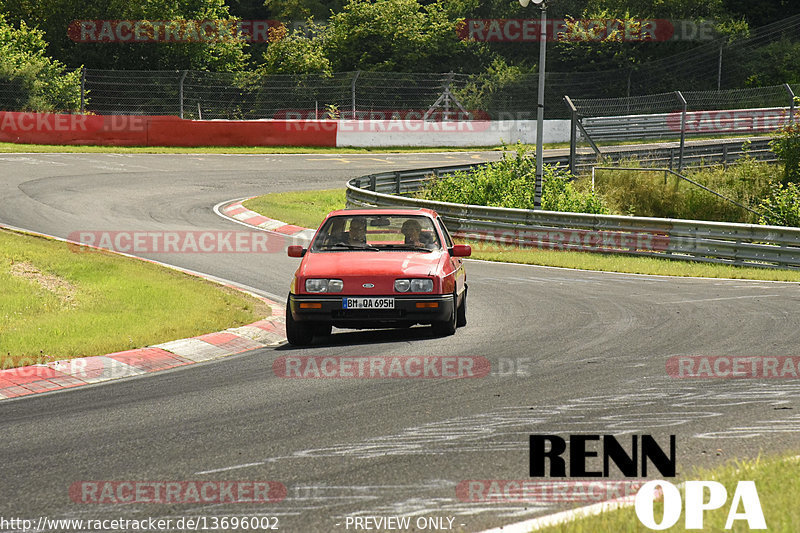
(571, 352)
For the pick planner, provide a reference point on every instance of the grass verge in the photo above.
(61, 302)
(777, 482)
(304, 208)
(308, 208)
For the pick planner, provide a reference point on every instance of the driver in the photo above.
(358, 231)
(413, 233)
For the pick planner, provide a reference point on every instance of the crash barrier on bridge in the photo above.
(665, 125)
(680, 114)
(721, 112)
(506, 229)
(133, 130)
(669, 155)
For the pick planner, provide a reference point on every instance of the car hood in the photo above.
(355, 264)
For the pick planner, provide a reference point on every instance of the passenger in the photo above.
(336, 233)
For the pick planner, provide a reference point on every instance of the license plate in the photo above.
(367, 303)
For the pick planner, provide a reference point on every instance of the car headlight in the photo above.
(421, 285)
(413, 285)
(324, 285)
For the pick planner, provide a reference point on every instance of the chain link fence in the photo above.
(775, 96)
(708, 69)
(377, 95)
(246, 96)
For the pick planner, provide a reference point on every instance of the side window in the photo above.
(447, 238)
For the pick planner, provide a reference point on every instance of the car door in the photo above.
(456, 263)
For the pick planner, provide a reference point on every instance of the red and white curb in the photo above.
(237, 211)
(69, 373)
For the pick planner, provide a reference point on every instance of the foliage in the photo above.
(302, 9)
(29, 80)
(653, 194)
(332, 112)
(395, 36)
(786, 146)
(53, 17)
(782, 206)
(486, 89)
(294, 53)
(510, 182)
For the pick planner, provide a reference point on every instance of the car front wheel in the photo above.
(446, 327)
(297, 333)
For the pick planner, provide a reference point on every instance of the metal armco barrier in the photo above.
(502, 228)
(696, 154)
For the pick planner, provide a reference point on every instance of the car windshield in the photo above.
(377, 232)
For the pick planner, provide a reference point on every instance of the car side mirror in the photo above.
(461, 250)
(296, 251)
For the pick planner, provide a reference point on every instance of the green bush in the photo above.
(651, 194)
(510, 182)
(29, 79)
(782, 206)
(786, 146)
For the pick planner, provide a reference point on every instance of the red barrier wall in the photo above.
(136, 130)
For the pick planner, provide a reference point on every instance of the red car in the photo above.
(374, 268)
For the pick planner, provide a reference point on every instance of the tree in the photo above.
(296, 10)
(29, 79)
(293, 53)
(396, 35)
(53, 17)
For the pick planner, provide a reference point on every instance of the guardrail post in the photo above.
(573, 133)
(83, 90)
(180, 91)
(373, 182)
(353, 92)
(682, 100)
(724, 156)
(791, 102)
(397, 182)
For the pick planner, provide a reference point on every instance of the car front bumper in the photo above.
(405, 312)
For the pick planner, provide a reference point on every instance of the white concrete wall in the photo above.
(383, 133)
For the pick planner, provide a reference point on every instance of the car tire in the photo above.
(322, 330)
(297, 333)
(461, 317)
(446, 328)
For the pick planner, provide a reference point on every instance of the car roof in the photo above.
(384, 211)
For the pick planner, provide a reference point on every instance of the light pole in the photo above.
(537, 194)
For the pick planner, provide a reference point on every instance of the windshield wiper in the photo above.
(344, 246)
(411, 248)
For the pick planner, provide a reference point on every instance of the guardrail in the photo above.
(661, 125)
(696, 154)
(502, 228)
